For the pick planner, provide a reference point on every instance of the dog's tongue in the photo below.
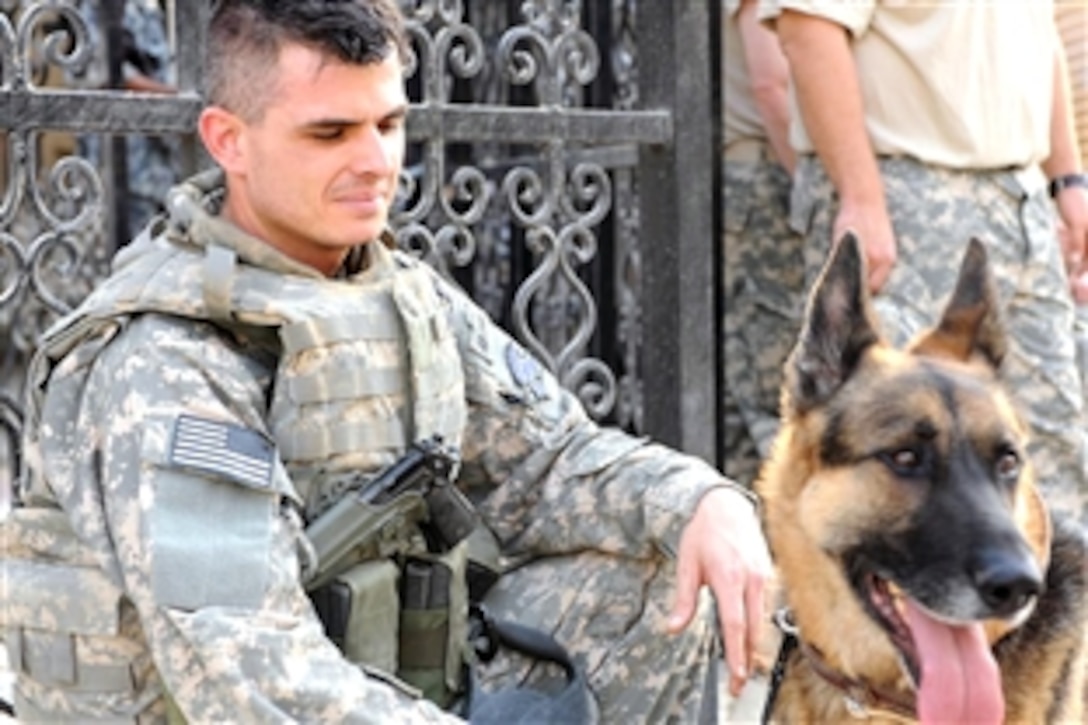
(960, 679)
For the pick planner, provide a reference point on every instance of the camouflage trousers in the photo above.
(934, 212)
(1080, 328)
(610, 613)
(763, 283)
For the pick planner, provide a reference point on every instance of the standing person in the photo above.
(920, 126)
(763, 281)
(267, 352)
(152, 163)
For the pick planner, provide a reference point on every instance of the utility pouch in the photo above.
(434, 624)
(360, 611)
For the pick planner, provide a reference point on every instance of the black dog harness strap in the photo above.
(783, 619)
(862, 699)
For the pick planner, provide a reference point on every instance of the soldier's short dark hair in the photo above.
(245, 38)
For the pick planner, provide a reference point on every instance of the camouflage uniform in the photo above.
(1081, 335)
(763, 280)
(934, 212)
(160, 583)
(153, 163)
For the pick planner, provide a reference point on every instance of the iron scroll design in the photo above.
(520, 182)
(48, 217)
(517, 200)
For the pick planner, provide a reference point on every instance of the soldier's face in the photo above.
(317, 173)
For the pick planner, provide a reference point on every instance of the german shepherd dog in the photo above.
(923, 576)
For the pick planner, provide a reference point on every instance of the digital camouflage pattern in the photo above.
(934, 213)
(154, 589)
(638, 675)
(763, 298)
(1081, 334)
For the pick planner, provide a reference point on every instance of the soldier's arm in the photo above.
(1064, 162)
(197, 518)
(768, 74)
(552, 480)
(830, 100)
(145, 84)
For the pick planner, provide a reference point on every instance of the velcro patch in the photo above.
(526, 371)
(223, 449)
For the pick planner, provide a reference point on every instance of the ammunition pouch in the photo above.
(434, 624)
(407, 615)
(62, 620)
(361, 613)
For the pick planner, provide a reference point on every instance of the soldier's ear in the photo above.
(839, 326)
(223, 135)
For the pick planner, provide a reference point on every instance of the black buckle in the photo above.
(481, 633)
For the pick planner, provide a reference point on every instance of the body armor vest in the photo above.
(365, 364)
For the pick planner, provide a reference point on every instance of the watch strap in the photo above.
(1059, 183)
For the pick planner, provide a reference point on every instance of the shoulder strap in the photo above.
(218, 281)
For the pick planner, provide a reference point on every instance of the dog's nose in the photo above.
(1007, 582)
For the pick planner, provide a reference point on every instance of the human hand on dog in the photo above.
(723, 547)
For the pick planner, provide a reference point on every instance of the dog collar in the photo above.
(862, 699)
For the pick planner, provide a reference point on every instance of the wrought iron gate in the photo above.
(561, 168)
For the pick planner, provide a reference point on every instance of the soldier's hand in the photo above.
(1072, 205)
(873, 228)
(723, 547)
(1080, 286)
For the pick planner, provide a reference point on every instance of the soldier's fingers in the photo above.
(878, 275)
(755, 599)
(687, 591)
(734, 624)
(1080, 287)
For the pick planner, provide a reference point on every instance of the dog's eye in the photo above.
(1008, 465)
(905, 461)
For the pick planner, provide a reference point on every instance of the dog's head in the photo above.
(905, 472)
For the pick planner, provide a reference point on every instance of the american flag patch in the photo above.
(224, 449)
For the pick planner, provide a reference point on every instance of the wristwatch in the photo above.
(1058, 183)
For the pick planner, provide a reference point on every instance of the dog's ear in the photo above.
(971, 323)
(839, 327)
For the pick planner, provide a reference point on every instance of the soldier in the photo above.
(763, 280)
(249, 363)
(918, 131)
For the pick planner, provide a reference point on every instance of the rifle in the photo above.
(414, 489)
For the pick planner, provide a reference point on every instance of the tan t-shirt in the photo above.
(964, 84)
(740, 117)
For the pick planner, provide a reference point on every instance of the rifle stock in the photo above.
(414, 490)
(341, 535)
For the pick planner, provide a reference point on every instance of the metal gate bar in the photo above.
(679, 242)
(641, 137)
